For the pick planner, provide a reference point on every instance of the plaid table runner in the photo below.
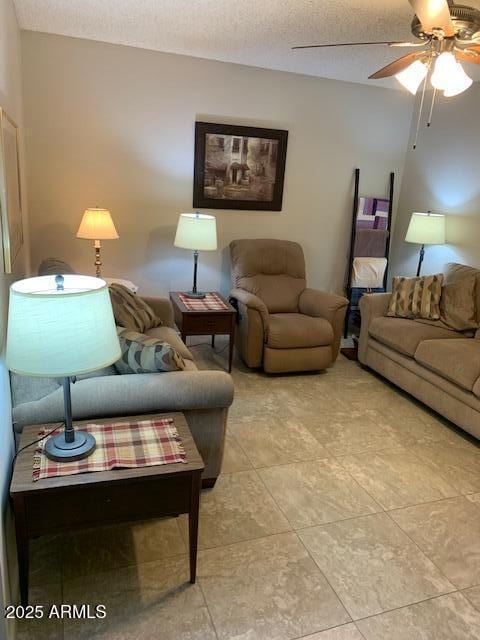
(119, 445)
(211, 302)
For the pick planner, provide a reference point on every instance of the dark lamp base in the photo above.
(58, 449)
(194, 294)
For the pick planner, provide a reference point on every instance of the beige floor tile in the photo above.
(234, 459)
(397, 478)
(316, 492)
(345, 632)
(449, 617)
(268, 589)
(99, 549)
(448, 531)
(353, 432)
(45, 628)
(459, 466)
(45, 560)
(153, 601)
(274, 440)
(238, 508)
(473, 595)
(372, 565)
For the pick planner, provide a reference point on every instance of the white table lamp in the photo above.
(425, 228)
(97, 225)
(196, 231)
(61, 326)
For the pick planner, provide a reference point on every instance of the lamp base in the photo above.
(58, 449)
(194, 294)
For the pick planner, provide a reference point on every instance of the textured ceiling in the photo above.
(252, 32)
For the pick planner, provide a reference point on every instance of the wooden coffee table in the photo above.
(205, 322)
(106, 497)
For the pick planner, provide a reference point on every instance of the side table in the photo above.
(105, 497)
(205, 322)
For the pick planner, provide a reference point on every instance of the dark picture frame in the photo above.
(239, 167)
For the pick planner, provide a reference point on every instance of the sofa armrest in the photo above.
(252, 302)
(330, 306)
(372, 305)
(131, 394)
(163, 309)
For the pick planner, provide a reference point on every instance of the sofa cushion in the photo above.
(416, 297)
(145, 354)
(458, 305)
(167, 334)
(405, 335)
(455, 360)
(295, 330)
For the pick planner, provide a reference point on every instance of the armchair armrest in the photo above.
(372, 305)
(252, 302)
(163, 309)
(330, 306)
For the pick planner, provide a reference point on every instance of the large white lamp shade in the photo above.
(425, 228)
(60, 332)
(196, 231)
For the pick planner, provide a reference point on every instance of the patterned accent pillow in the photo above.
(144, 354)
(130, 311)
(416, 297)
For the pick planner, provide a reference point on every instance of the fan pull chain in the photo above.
(429, 122)
(420, 111)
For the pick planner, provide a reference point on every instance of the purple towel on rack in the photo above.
(370, 243)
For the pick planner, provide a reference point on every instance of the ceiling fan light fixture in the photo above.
(458, 83)
(445, 70)
(412, 76)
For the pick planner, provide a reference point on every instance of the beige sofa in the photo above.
(282, 325)
(436, 365)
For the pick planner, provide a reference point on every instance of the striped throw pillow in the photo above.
(416, 297)
(130, 311)
(144, 354)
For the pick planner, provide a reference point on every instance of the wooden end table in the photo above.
(205, 322)
(105, 497)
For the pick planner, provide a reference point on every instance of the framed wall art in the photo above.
(10, 194)
(239, 167)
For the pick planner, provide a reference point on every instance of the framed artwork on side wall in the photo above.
(239, 167)
(10, 194)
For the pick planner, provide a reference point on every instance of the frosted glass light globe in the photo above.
(445, 70)
(412, 76)
(459, 83)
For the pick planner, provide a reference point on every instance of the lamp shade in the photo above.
(426, 228)
(196, 231)
(60, 332)
(97, 224)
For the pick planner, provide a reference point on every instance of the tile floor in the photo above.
(345, 511)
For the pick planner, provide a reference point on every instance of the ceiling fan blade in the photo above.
(396, 66)
(433, 14)
(473, 57)
(407, 44)
(341, 44)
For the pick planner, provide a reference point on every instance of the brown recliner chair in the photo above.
(283, 326)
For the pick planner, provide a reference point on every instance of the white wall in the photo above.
(113, 126)
(11, 101)
(442, 175)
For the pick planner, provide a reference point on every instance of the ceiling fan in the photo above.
(448, 33)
